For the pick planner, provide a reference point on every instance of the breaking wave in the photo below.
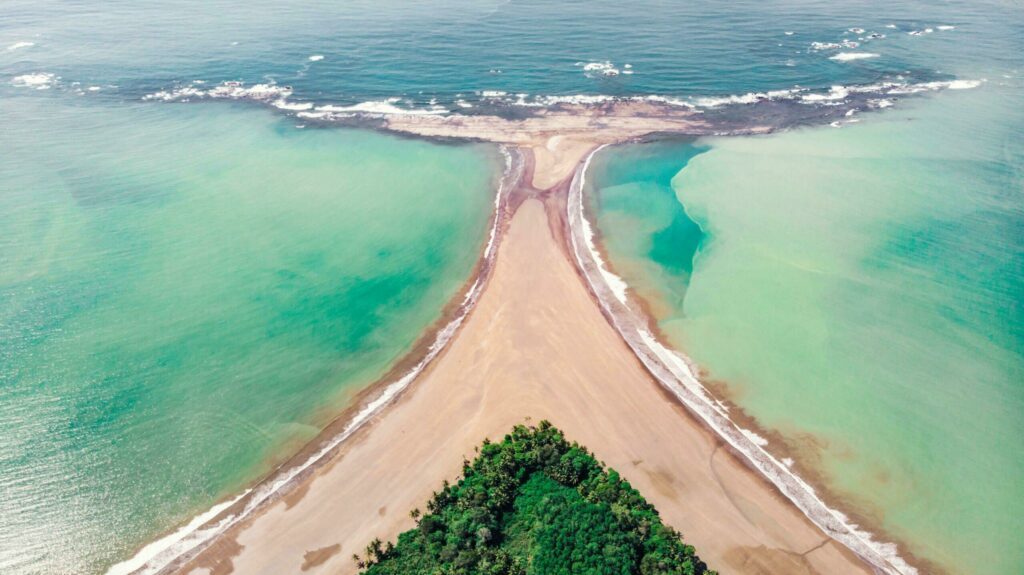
(862, 96)
(38, 80)
(849, 56)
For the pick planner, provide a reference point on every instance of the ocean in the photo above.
(197, 271)
(190, 294)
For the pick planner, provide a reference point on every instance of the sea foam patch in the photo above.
(387, 107)
(748, 98)
(606, 68)
(935, 86)
(823, 46)
(20, 45)
(226, 90)
(38, 80)
(851, 56)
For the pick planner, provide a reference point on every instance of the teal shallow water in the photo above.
(858, 290)
(188, 292)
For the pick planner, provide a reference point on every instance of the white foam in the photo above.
(277, 96)
(962, 84)
(935, 86)
(227, 90)
(835, 93)
(615, 283)
(528, 101)
(945, 28)
(316, 57)
(382, 108)
(822, 46)
(605, 68)
(856, 30)
(259, 92)
(184, 93)
(665, 100)
(788, 33)
(20, 45)
(850, 56)
(284, 104)
(38, 80)
(581, 99)
(755, 438)
(748, 98)
(170, 542)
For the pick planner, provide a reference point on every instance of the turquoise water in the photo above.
(858, 291)
(191, 290)
(649, 232)
(188, 293)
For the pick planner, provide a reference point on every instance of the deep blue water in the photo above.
(451, 50)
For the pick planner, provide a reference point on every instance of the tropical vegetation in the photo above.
(535, 504)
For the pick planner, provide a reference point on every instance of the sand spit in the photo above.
(535, 346)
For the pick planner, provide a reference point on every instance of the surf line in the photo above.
(177, 548)
(674, 372)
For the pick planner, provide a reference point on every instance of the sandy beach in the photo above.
(536, 346)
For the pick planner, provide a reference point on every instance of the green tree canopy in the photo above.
(535, 504)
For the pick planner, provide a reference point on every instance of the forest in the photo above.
(535, 504)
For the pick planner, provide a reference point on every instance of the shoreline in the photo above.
(678, 374)
(179, 545)
(293, 477)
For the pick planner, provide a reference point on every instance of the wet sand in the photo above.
(536, 346)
